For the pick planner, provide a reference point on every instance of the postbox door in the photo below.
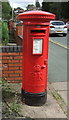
(35, 63)
(40, 63)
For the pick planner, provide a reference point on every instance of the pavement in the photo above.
(61, 88)
(55, 106)
(59, 93)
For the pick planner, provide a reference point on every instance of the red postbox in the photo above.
(35, 56)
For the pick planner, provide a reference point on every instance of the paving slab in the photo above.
(61, 88)
(49, 110)
(59, 85)
(64, 95)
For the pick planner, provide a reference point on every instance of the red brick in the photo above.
(18, 71)
(10, 65)
(20, 61)
(20, 53)
(18, 78)
(20, 68)
(4, 61)
(20, 75)
(14, 78)
(0, 57)
(0, 68)
(6, 71)
(11, 57)
(18, 64)
(4, 75)
(0, 61)
(14, 65)
(14, 75)
(5, 68)
(10, 78)
(0, 75)
(13, 68)
(0, 54)
(13, 61)
(21, 57)
(13, 53)
(17, 57)
(5, 53)
(5, 57)
(0, 65)
(0, 71)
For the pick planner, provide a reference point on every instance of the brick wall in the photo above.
(11, 58)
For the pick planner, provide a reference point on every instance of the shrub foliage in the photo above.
(5, 33)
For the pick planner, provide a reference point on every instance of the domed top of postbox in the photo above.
(36, 15)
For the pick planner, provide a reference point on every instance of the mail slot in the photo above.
(35, 56)
(38, 31)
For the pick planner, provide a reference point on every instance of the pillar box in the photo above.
(35, 56)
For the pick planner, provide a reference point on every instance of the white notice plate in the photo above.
(37, 46)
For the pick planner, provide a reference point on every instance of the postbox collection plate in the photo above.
(37, 46)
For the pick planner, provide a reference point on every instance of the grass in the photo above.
(11, 101)
(60, 101)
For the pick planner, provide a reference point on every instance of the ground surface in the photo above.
(14, 107)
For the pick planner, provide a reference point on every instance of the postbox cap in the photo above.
(36, 15)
